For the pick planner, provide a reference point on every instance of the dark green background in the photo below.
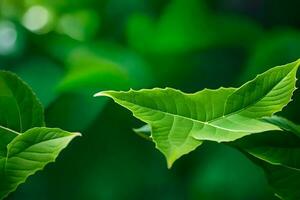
(69, 49)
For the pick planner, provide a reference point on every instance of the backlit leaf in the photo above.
(25, 145)
(180, 121)
(28, 153)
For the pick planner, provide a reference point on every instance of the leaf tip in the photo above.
(171, 160)
(102, 94)
(77, 134)
(170, 163)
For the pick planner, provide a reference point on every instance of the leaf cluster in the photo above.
(241, 117)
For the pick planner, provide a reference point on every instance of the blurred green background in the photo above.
(69, 49)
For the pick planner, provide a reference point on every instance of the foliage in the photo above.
(26, 146)
(180, 122)
(68, 50)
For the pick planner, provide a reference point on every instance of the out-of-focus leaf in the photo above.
(43, 76)
(100, 64)
(284, 181)
(58, 46)
(76, 111)
(90, 68)
(275, 48)
(187, 26)
(87, 71)
(105, 66)
(12, 8)
(220, 173)
(180, 121)
(81, 25)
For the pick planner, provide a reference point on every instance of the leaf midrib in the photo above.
(39, 143)
(209, 123)
(10, 130)
(191, 119)
(241, 110)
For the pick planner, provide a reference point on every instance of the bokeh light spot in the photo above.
(8, 37)
(36, 19)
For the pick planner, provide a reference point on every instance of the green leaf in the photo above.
(180, 121)
(284, 124)
(90, 67)
(20, 108)
(6, 136)
(44, 86)
(25, 145)
(282, 46)
(284, 181)
(276, 148)
(96, 71)
(71, 104)
(28, 153)
(80, 25)
(104, 65)
(278, 153)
